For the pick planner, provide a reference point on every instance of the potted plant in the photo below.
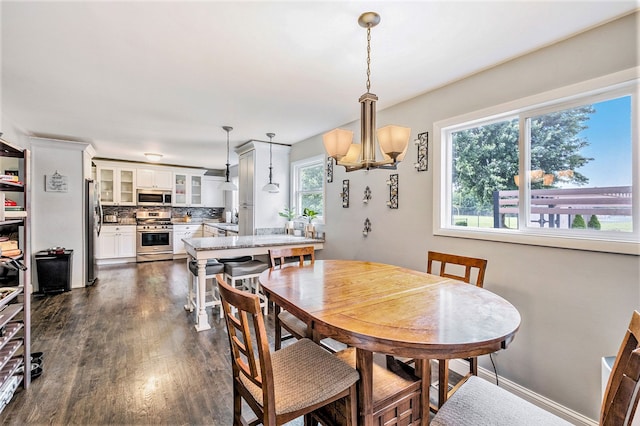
(309, 229)
(289, 213)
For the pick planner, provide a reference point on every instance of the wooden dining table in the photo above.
(388, 309)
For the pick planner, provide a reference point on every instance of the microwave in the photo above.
(149, 197)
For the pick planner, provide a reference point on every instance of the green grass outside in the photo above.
(512, 222)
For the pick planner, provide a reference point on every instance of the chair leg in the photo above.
(278, 343)
(352, 406)
(237, 407)
(473, 366)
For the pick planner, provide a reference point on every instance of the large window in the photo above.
(557, 171)
(308, 185)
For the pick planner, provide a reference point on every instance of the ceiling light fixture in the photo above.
(393, 140)
(228, 185)
(153, 157)
(271, 187)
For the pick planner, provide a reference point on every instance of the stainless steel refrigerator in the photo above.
(93, 212)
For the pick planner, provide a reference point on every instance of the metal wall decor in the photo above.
(345, 194)
(367, 227)
(329, 169)
(423, 152)
(367, 195)
(393, 191)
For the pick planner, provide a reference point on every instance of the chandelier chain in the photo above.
(368, 59)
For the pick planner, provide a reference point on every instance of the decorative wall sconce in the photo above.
(367, 227)
(393, 191)
(345, 194)
(329, 170)
(367, 195)
(423, 152)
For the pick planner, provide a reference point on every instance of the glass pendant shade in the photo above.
(337, 143)
(394, 141)
(271, 187)
(228, 186)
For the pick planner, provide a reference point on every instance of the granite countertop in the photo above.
(247, 241)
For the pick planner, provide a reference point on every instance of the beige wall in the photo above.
(575, 305)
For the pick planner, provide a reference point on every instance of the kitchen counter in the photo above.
(205, 248)
(246, 241)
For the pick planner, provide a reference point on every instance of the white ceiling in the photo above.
(138, 76)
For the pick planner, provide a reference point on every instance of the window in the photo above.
(569, 156)
(308, 185)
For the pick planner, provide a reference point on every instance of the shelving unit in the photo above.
(15, 279)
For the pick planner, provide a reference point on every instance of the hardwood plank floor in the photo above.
(126, 352)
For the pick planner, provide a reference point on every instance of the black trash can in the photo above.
(54, 270)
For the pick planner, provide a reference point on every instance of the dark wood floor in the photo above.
(126, 352)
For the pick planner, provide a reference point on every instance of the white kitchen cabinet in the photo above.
(258, 209)
(117, 185)
(154, 179)
(212, 195)
(187, 190)
(116, 242)
(184, 231)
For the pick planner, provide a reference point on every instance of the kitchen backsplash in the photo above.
(129, 212)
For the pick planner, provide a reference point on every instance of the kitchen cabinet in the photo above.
(258, 209)
(154, 179)
(212, 195)
(117, 185)
(15, 276)
(184, 231)
(116, 242)
(187, 190)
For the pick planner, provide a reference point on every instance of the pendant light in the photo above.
(393, 140)
(228, 185)
(271, 187)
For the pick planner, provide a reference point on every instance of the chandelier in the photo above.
(393, 140)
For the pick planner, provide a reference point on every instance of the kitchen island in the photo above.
(203, 249)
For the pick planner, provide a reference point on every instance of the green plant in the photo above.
(309, 214)
(289, 213)
(594, 223)
(578, 222)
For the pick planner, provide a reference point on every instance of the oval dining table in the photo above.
(388, 309)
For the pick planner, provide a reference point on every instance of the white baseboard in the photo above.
(543, 402)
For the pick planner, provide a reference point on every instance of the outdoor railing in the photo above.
(550, 204)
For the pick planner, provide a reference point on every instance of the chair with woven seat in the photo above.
(284, 319)
(479, 402)
(212, 268)
(286, 384)
(246, 270)
(460, 268)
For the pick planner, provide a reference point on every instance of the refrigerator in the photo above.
(93, 220)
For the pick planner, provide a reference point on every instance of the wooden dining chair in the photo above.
(286, 384)
(464, 269)
(480, 402)
(284, 319)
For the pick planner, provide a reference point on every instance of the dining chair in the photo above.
(479, 402)
(285, 384)
(464, 269)
(285, 319)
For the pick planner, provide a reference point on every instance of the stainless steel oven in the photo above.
(154, 236)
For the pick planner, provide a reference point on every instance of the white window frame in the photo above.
(624, 82)
(296, 166)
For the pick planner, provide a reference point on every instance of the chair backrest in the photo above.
(278, 257)
(251, 358)
(468, 262)
(621, 398)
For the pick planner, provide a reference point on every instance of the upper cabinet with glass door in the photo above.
(117, 186)
(187, 190)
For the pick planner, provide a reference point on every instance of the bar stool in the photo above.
(247, 270)
(212, 298)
